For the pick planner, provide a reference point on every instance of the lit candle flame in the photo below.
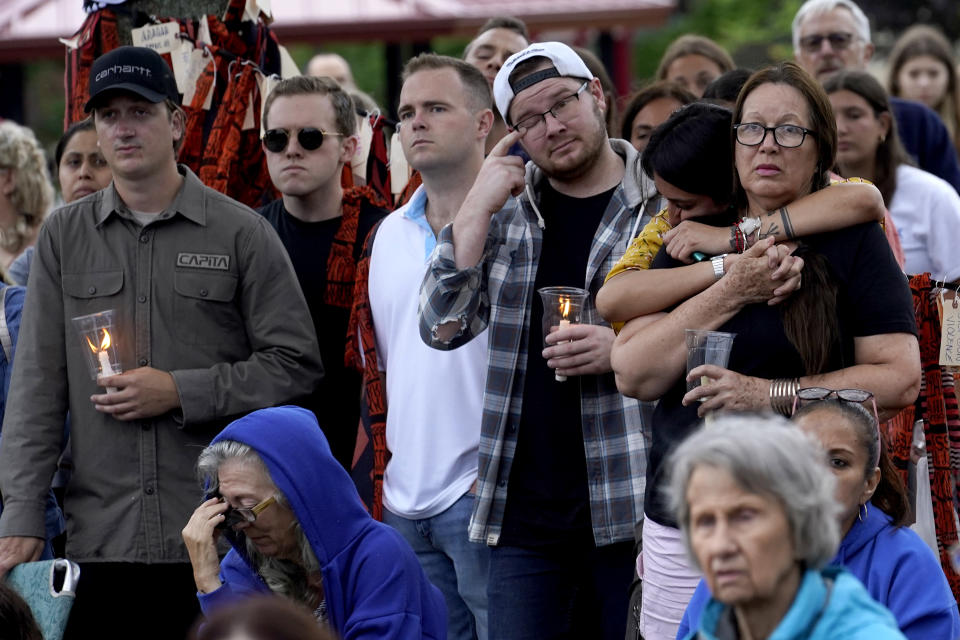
(564, 307)
(104, 344)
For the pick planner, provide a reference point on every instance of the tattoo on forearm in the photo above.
(772, 230)
(733, 238)
(787, 226)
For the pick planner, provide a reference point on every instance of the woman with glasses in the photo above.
(299, 530)
(755, 504)
(893, 563)
(925, 208)
(686, 161)
(850, 324)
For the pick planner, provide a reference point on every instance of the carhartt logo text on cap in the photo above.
(123, 68)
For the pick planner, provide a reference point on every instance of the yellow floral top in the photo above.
(644, 247)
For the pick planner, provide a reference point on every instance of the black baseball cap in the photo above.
(136, 69)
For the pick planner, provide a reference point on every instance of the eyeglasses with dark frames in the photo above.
(810, 395)
(839, 40)
(310, 138)
(563, 110)
(787, 136)
(232, 517)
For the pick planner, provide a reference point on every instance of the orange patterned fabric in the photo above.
(370, 455)
(937, 406)
(341, 268)
(378, 173)
(97, 35)
(191, 152)
(223, 146)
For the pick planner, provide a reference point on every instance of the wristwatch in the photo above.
(717, 262)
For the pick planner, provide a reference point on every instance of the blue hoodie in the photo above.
(925, 137)
(373, 583)
(899, 571)
(830, 605)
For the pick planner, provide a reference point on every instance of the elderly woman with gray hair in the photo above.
(755, 505)
(299, 530)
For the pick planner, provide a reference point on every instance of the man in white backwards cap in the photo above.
(562, 453)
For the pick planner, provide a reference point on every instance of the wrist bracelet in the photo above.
(749, 225)
(782, 392)
(717, 262)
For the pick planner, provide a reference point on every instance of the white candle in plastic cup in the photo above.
(563, 324)
(106, 369)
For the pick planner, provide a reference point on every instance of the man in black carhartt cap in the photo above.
(196, 281)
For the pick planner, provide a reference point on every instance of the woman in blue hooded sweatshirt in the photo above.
(298, 529)
(893, 563)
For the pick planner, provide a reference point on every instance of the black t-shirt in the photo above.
(548, 502)
(873, 298)
(336, 402)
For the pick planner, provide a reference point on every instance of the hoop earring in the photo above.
(865, 512)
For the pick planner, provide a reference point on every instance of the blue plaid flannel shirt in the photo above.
(498, 294)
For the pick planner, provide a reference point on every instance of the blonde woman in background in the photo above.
(25, 190)
(81, 170)
(923, 68)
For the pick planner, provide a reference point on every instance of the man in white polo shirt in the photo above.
(434, 398)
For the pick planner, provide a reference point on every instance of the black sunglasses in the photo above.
(310, 138)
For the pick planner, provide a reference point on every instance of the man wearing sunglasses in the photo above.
(560, 486)
(832, 35)
(209, 323)
(309, 134)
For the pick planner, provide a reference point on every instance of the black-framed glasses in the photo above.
(310, 138)
(563, 110)
(839, 40)
(787, 136)
(232, 517)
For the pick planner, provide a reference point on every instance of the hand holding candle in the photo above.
(562, 307)
(103, 358)
(100, 346)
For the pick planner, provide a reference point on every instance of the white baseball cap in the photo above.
(566, 63)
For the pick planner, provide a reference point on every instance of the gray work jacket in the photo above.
(204, 291)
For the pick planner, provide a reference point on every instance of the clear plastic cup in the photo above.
(562, 306)
(98, 341)
(706, 347)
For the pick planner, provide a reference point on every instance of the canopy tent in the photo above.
(29, 29)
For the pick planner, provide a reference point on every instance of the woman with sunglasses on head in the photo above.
(851, 324)
(893, 563)
(925, 208)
